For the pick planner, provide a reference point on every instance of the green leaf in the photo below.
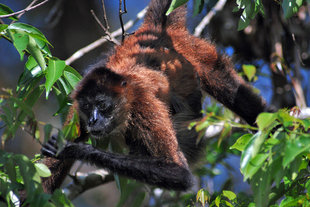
(175, 4)
(7, 10)
(32, 98)
(249, 71)
(229, 194)
(72, 76)
(241, 143)
(20, 42)
(295, 147)
(264, 120)
(218, 201)
(34, 32)
(290, 7)
(202, 196)
(35, 51)
(259, 139)
(306, 124)
(53, 72)
(198, 6)
(59, 199)
(261, 185)
(253, 165)
(39, 39)
(42, 170)
(3, 27)
(24, 106)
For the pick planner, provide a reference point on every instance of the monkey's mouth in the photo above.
(98, 133)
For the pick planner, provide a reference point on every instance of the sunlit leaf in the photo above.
(264, 120)
(249, 71)
(202, 197)
(241, 142)
(229, 194)
(42, 170)
(294, 147)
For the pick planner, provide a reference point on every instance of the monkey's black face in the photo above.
(100, 113)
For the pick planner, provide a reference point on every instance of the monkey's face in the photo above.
(102, 103)
(101, 113)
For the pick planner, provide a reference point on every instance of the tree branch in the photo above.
(85, 181)
(105, 29)
(24, 10)
(81, 52)
(205, 21)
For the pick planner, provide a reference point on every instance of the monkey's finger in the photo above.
(48, 153)
(52, 141)
(50, 147)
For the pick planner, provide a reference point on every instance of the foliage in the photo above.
(42, 72)
(249, 8)
(274, 161)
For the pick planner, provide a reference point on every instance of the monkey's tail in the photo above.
(156, 14)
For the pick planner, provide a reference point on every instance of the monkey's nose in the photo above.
(94, 118)
(92, 121)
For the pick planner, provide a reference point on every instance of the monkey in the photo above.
(149, 90)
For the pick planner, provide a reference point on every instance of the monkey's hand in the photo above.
(50, 149)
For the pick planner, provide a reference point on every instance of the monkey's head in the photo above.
(102, 105)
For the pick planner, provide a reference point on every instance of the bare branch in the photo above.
(85, 181)
(205, 21)
(24, 10)
(104, 28)
(105, 15)
(81, 52)
(29, 6)
(121, 12)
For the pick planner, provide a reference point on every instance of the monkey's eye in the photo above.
(85, 106)
(123, 83)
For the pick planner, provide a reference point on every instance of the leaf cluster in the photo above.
(249, 8)
(42, 73)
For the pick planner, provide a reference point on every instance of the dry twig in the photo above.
(21, 12)
(205, 21)
(81, 52)
(120, 14)
(105, 29)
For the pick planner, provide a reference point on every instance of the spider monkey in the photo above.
(149, 90)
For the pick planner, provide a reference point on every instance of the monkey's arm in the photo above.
(217, 75)
(154, 171)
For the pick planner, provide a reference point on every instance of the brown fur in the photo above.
(165, 68)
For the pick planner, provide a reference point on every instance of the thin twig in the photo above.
(29, 6)
(205, 21)
(81, 52)
(24, 10)
(121, 12)
(104, 28)
(105, 15)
